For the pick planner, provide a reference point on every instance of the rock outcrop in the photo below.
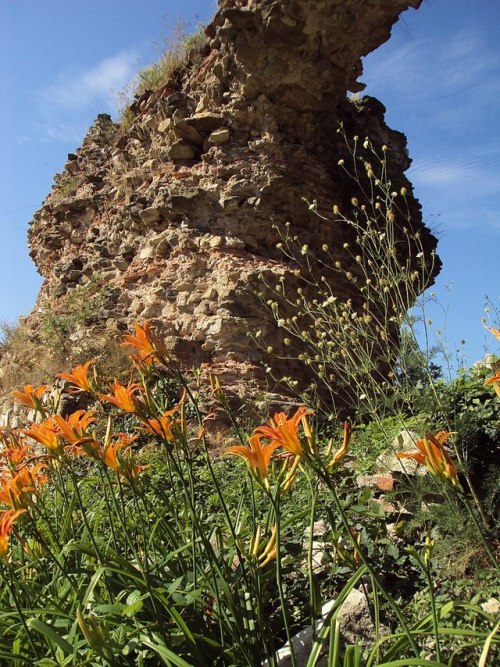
(174, 215)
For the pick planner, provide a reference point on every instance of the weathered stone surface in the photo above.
(220, 136)
(182, 150)
(176, 215)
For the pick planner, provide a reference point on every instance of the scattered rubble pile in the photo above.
(174, 215)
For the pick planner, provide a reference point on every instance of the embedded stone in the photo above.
(205, 121)
(165, 125)
(181, 150)
(183, 130)
(150, 215)
(220, 136)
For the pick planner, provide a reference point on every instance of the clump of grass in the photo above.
(176, 52)
(177, 49)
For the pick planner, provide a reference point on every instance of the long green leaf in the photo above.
(93, 583)
(165, 653)
(15, 656)
(421, 627)
(332, 614)
(68, 520)
(49, 633)
(334, 648)
(405, 662)
(487, 644)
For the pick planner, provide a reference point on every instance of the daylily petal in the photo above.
(283, 431)
(79, 376)
(433, 456)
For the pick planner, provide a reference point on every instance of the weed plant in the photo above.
(363, 352)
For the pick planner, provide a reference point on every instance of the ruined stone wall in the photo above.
(173, 216)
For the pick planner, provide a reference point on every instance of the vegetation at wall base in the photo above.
(124, 542)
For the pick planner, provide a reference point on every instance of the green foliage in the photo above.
(177, 50)
(79, 309)
(67, 187)
(373, 438)
(472, 410)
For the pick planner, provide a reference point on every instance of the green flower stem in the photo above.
(84, 515)
(214, 566)
(105, 486)
(425, 567)
(213, 476)
(310, 573)
(279, 576)
(12, 589)
(42, 541)
(480, 531)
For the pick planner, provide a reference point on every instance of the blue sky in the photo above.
(62, 62)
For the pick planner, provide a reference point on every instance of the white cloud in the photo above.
(90, 87)
(445, 96)
(70, 104)
(462, 191)
(471, 175)
(423, 69)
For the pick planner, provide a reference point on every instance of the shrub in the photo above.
(361, 349)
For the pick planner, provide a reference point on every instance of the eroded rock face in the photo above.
(175, 217)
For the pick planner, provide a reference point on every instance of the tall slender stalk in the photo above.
(279, 575)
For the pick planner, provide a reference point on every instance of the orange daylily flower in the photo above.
(15, 450)
(495, 332)
(122, 464)
(495, 381)
(285, 432)
(74, 427)
(146, 343)
(17, 489)
(110, 455)
(162, 427)
(31, 397)
(88, 447)
(17, 455)
(79, 377)
(6, 520)
(131, 471)
(433, 456)
(123, 397)
(257, 456)
(47, 435)
(339, 454)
